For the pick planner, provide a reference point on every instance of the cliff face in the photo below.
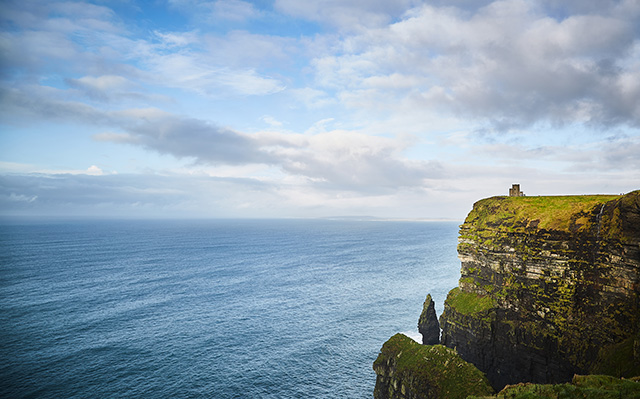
(549, 287)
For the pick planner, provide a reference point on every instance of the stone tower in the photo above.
(514, 191)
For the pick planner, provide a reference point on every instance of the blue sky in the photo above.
(287, 108)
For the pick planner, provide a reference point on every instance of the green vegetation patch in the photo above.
(582, 387)
(426, 371)
(469, 302)
(562, 213)
(617, 360)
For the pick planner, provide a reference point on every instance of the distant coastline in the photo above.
(381, 219)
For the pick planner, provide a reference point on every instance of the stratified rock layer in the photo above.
(407, 370)
(428, 324)
(549, 288)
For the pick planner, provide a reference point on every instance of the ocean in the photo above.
(211, 309)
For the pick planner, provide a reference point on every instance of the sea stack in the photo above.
(428, 323)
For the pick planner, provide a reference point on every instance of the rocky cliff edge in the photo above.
(549, 288)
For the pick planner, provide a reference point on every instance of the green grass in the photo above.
(582, 387)
(549, 212)
(422, 369)
(617, 360)
(469, 302)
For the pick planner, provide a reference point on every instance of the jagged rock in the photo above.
(549, 288)
(407, 370)
(428, 323)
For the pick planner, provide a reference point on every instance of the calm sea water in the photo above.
(211, 309)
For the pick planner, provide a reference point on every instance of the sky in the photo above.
(400, 109)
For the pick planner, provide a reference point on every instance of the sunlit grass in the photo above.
(548, 212)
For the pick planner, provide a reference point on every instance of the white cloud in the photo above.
(177, 39)
(341, 159)
(234, 10)
(324, 157)
(81, 10)
(20, 168)
(183, 60)
(396, 109)
(321, 126)
(271, 121)
(44, 47)
(240, 48)
(13, 197)
(312, 98)
(347, 15)
(201, 195)
(336, 158)
(347, 160)
(191, 72)
(16, 167)
(104, 83)
(393, 81)
(92, 170)
(110, 88)
(211, 12)
(507, 64)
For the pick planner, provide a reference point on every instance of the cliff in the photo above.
(406, 369)
(549, 288)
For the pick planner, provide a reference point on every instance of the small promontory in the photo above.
(406, 369)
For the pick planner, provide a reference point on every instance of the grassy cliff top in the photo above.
(469, 302)
(563, 213)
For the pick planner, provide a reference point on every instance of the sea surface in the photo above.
(211, 309)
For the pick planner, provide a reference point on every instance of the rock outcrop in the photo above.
(428, 324)
(581, 386)
(407, 370)
(549, 288)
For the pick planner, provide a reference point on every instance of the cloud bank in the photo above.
(390, 107)
(506, 64)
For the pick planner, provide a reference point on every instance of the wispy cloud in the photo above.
(334, 158)
(347, 15)
(181, 60)
(218, 10)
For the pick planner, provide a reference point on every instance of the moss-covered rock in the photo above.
(470, 302)
(549, 287)
(581, 387)
(407, 370)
